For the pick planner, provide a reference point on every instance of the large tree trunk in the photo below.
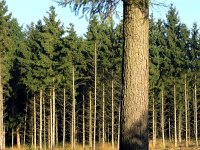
(186, 115)
(135, 76)
(175, 126)
(18, 138)
(95, 95)
(113, 144)
(40, 119)
(64, 122)
(195, 113)
(1, 108)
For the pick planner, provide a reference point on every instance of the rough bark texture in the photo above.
(135, 76)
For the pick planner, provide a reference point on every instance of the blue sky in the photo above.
(27, 11)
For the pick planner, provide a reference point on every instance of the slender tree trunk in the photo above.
(162, 118)
(1, 108)
(180, 127)
(73, 110)
(170, 130)
(113, 144)
(40, 119)
(103, 121)
(53, 118)
(175, 126)
(34, 115)
(186, 115)
(25, 123)
(90, 121)
(49, 132)
(56, 130)
(195, 113)
(18, 138)
(154, 123)
(83, 122)
(135, 76)
(44, 118)
(95, 95)
(12, 138)
(64, 112)
(119, 120)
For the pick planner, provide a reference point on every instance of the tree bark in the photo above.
(12, 138)
(53, 118)
(34, 116)
(83, 122)
(103, 121)
(18, 138)
(73, 110)
(135, 76)
(195, 112)
(175, 118)
(40, 119)
(119, 120)
(95, 95)
(186, 115)
(44, 118)
(1, 107)
(162, 118)
(90, 120)
(25, 123)
(180, 126)
(113, 144)
(64, 111)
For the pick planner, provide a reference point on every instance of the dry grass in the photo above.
(170, 145)
(68, 147)
(107, 146)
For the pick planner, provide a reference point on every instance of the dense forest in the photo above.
(61, 89)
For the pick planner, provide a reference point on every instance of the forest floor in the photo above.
(159, 146)
(170, 145)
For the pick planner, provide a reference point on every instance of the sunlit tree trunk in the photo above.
(95, 96)
(83, 122)
(162, 117)
(135, 76)
(34, 116)
(44, 122)
(18, 138)
(113, 144)
(40, 139)
(186, 115)
(195, 113)
(64, 112)
(1, 108)
(175, 118)
(53, 118)
(73, 138)
(90, 120)
(103, 113)
(180, 126)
